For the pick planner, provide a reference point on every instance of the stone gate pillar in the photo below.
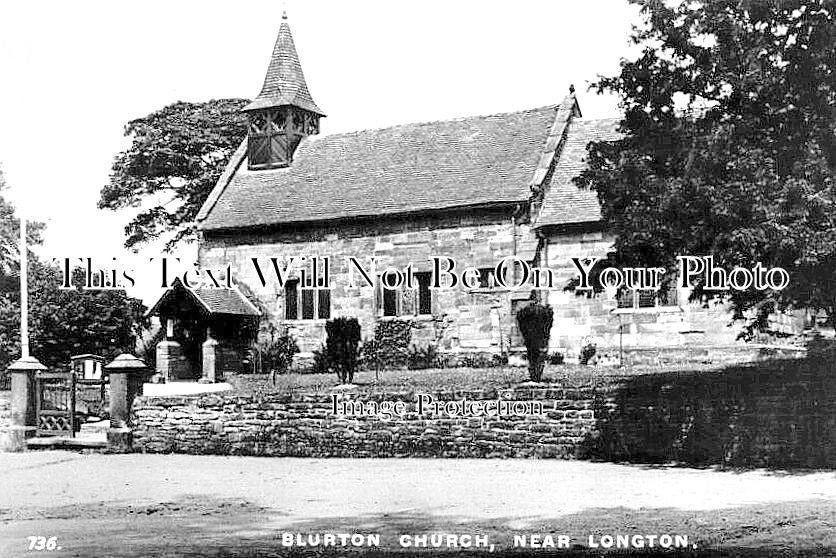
(23, 419)
(126, 377)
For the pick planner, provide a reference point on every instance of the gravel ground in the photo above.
(179, 505)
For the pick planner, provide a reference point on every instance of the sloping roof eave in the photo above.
(565, 203)
(493, 204)
(280, 100)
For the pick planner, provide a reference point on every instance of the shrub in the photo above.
(370, 354)
(482, 360)
(147, 347)
(277, 355)
(390, 346)
(341, 347)
(556, 358)
(535, 323)
(276, 349)
(587, 353)
(499, 360)
(320, 362)
(420, 358)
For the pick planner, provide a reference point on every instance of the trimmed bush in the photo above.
(341, 347)
(535, 323)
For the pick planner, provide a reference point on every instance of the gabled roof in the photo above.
(404, 169)
(565, 203)
(210, 301)
(284, 83)
(226, 301)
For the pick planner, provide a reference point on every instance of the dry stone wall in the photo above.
(304, 425)
(768, 414)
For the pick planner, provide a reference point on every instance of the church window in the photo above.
(306, 304)
(629, 298)
(407, 302)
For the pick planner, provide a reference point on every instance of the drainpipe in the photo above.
(544, 256)
(514, 215)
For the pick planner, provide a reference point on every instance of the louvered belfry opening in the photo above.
(275, 134)
(284, 112)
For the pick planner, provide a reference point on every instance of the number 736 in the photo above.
(43, 543)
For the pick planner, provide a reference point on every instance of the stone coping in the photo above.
(173, 389)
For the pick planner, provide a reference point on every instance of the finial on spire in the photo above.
(284, 83)
(284, 14)
(571, 88)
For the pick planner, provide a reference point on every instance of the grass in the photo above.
(450, 378)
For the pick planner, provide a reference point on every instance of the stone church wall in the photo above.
(461, 320)
(472, 321)
(580, 319)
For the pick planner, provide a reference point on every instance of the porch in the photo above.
(207, 336)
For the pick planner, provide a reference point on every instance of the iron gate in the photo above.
(55, 393)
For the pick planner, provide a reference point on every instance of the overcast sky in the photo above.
(73, 73)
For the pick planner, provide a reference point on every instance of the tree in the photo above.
(61, 322)
(10, 234)
(535, 323)
(729, 145)
(176, 156)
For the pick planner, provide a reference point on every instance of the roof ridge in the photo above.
(590, 120)
(323, 136)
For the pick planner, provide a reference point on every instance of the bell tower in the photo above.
(284, 112)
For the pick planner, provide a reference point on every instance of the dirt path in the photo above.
(176, 505)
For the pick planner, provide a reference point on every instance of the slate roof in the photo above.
(284, 83)
(212, 301)
(565, 203)
(226, 301)
(403, 169)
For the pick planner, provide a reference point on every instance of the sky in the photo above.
(72, 74)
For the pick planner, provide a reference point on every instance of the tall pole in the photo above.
(24, 370)
(24, 291)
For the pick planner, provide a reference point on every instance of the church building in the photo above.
(477, 189)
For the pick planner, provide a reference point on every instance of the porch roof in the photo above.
(212, 301)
